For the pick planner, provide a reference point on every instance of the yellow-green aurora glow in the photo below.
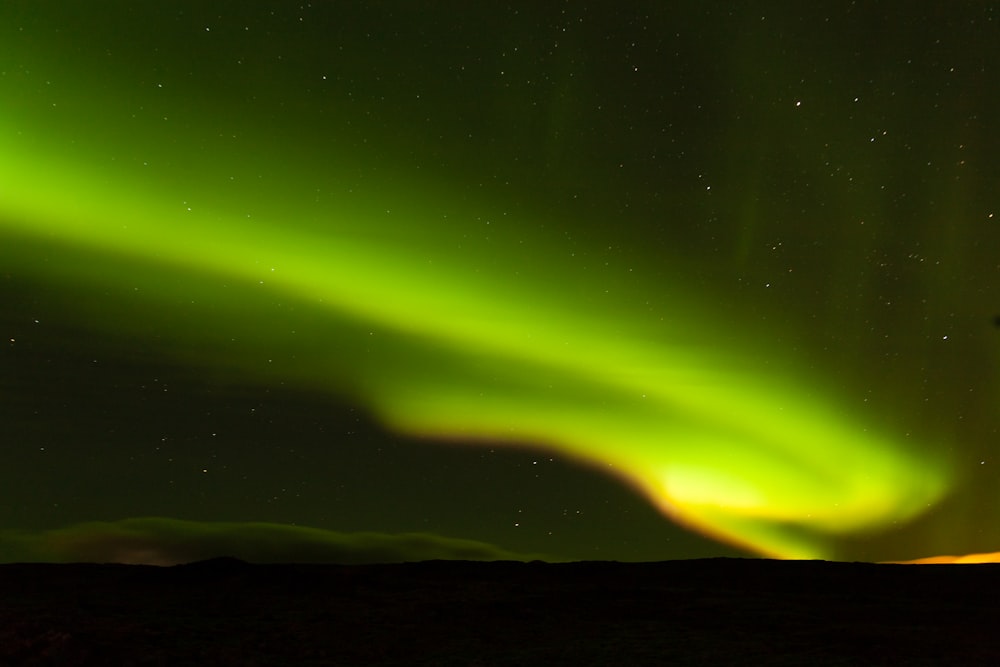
(759, 290)
(498, 338)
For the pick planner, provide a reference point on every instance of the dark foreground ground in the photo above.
(707, 612)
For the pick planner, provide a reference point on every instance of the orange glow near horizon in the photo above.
(968, 559)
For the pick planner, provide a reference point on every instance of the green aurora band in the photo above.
(496, 338)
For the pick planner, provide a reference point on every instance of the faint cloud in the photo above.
(163, 541)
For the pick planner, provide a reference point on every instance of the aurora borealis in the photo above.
(575, 281)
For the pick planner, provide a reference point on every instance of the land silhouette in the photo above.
(695, 612)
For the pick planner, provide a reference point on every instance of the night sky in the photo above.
(362, 281)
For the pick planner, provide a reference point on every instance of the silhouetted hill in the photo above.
(699, 612)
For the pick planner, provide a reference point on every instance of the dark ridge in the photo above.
(218, 564)
(461, 613)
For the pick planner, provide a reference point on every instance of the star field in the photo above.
(566, 282)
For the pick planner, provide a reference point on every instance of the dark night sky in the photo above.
(636, 281)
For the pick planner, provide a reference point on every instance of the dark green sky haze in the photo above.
(634, 282)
